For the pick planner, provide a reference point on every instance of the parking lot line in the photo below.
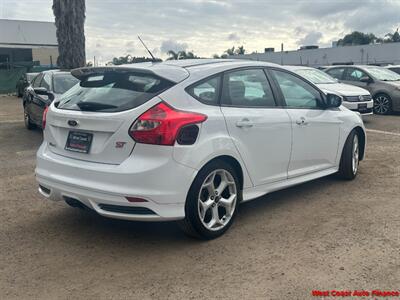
(383, 132)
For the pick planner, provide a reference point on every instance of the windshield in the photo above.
(113, 91)
(316, 76)
(63, 82)
(383, 74)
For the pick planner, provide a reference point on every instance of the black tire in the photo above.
(348, 168)
(382, 104)
(27, 120)
(193, 225)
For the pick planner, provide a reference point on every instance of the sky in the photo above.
(210, 27)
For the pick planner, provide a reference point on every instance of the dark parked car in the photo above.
(383, 84)
(44, 88)
(23, 82)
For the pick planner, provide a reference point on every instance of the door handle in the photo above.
(302, 121)
(244, 123)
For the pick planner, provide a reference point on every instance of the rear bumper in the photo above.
(158, 179)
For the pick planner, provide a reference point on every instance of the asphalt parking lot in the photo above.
(326, 234)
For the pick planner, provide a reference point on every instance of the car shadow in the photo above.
(77, 226)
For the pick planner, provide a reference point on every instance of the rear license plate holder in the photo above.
(78, 141)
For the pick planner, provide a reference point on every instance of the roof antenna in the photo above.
(151, 54)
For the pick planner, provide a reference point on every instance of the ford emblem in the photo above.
(72, 123)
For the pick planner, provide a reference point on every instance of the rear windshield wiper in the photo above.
(94, 106)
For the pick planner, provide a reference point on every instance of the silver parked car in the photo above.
(383, 84)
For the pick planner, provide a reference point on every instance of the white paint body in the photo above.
(274, 153)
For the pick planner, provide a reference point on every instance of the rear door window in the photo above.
(336, 73)
(247, 88)
(113, 91)
(354, 74)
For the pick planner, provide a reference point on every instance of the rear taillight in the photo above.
(44, 117)
(161, 124)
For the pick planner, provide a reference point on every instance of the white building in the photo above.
(27, 41)
(381, 54)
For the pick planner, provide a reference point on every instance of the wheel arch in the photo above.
(361, 134)
(380, 92)
(234, 163)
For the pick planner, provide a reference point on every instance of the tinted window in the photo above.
(336, 73)
(355, 74)
(297, 93)
(206, 91)
(63, 82)
(249, 88)
(113, 91)
(46, 82)
(397, 70)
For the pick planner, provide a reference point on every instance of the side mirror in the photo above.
(333, 100)
(365, 79)
(40, 91)
(44, 92)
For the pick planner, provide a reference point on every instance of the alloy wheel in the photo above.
(381, 104)
(217, 199)
(355, 154)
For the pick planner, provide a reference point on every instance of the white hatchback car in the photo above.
(189, 140)
(354, 97)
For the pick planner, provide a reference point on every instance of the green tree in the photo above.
(129, 59)
(70, 20)
(392, 37)
(240, 50)
(230, 51)
(172, 55)
(181, 55)
(357, 38)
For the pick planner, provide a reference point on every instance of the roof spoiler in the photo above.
(83, 73)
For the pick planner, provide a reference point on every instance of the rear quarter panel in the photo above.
(213, 139)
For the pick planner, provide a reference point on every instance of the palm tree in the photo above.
(188, 55)
(393, 37)
(70, 21)
(230, 51)
(172, 55)
(181, 55)
(240, 50)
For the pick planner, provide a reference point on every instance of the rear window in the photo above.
(113, 92)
